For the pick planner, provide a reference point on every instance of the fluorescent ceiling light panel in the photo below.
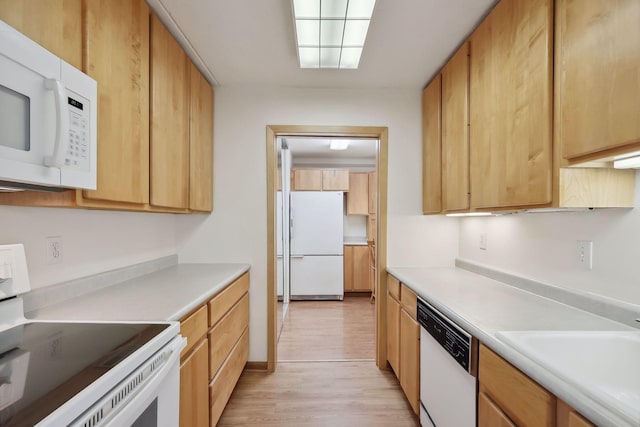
(306, 9)
(331, 33)
(339, 144)
(308, 32)
(336, 29)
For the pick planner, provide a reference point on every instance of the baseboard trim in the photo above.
(256, 366)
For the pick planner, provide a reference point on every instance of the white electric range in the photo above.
(78, 373)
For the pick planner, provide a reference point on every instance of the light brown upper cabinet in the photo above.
(335, 180)
(358, 195)
(169, 146)
(455, 131)
(116, 55)
(200, 143)
(510, 106)
(306, 179)
(598, 79)
(56, 25)
(431, 145)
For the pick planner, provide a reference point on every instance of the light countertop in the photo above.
(355, 241)
(166, 294)
(484, 306)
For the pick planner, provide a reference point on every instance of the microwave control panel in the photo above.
(77, 155)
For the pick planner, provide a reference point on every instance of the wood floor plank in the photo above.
(319, 394)
(328, 330)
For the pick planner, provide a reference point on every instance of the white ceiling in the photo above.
(251, 42)
(364, 149)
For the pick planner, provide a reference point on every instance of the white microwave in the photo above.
(48, 118)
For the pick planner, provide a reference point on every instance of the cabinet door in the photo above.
(510, 106)
(490, 415)
(116, 55)
(55, 25)
(410, 359)
(598, 60)
(361, 268)
(169, 120)
(373, 192)
(348, 268)
(307, 180)
(200, 142)
(431, 146)
(393, 334)
(335, 180)
(455, 131)
(566, 416)
(358, 195)
(194, 388)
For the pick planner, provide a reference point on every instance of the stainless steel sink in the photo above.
(604, 364)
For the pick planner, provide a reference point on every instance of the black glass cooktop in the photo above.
(42, 365)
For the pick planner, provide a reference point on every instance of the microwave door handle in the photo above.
(62, 123)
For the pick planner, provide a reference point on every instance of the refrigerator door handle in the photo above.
(297, 256)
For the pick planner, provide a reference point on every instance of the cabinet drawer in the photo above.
(522, 399)
(409, 301)
(225, 334)
(222, 302)
(394, 286)
(194, 328)
(223, 384)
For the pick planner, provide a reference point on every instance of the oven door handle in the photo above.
(126, 413)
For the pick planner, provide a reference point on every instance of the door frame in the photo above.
(380, 133)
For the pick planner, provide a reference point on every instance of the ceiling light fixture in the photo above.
(627, 162)
(331, 33)
(339, 144)
(471, 214)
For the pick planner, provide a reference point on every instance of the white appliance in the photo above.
(82, 374)
(448, 369)
(317, 245)
(48, 118)
(279, 238)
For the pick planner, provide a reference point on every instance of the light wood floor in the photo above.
(308, 389)
(329, 330)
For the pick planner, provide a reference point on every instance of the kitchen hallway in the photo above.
(326, 374)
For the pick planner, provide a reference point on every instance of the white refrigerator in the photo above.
(317, 245)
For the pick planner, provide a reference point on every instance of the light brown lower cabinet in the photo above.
(403, 339)
(356, 268)
(410, 358)
(217, 350)
(393, 333)
(194, 384)
(507, 397)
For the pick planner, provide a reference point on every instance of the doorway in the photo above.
(275, 253)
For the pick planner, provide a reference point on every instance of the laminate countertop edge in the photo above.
(485, 306)
(167, 294)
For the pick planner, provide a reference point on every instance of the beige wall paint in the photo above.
(236, 231)
(543, 246)
(93, 241)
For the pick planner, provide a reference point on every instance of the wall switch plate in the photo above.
(54, 250)
(483, 241)
(585, 254)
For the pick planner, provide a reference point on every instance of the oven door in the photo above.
(155, 404)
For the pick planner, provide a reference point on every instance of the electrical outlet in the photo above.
(585, 254)
(54, 250)
(483, 241)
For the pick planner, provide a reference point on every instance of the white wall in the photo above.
(93, 241)
(543, 246)
(237, 230)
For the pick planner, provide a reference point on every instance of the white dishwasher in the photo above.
(448, 370)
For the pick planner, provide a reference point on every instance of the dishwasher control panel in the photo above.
(451, 337)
